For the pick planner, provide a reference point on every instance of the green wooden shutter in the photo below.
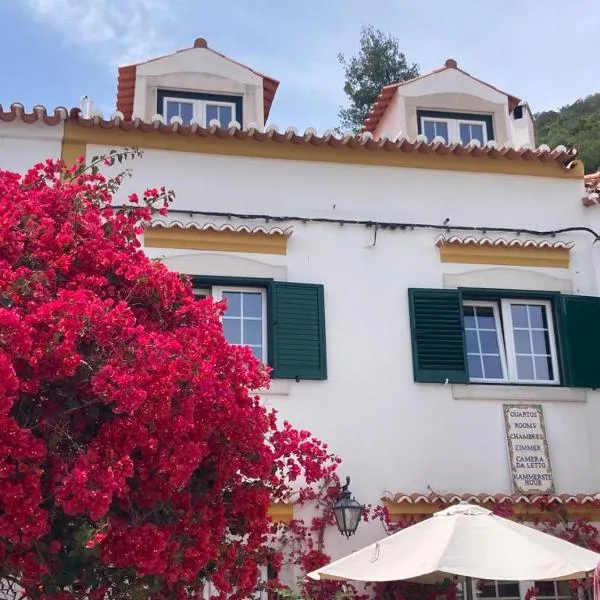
(297, 345)
(438, 342)
(580, 337)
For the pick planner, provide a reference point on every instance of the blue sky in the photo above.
(54, 51)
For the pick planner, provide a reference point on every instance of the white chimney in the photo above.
(86, 106)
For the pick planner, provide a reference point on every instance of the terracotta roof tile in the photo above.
(454, 240)
(592, 189)
(387, 93)
(37, 114)
(432, 498)
(561, 155)
(126, 81)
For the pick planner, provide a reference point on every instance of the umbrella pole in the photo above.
(468, 592)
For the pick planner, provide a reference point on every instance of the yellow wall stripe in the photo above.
(220, 241)
(281, 513)
(155, 140)
(530, 256)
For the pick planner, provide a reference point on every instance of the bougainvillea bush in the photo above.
(135, 462)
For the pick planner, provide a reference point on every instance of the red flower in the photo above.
(126, 418)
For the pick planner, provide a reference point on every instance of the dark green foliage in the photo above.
(378, 63)
(577, 125)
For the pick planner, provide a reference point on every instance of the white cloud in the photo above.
(117, 31)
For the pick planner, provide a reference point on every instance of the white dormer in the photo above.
(451, 104)
(196, 84)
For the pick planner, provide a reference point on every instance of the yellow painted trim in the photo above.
(281, 513)
(529, 256)
(71, 150)
(220, 241)
(521, 511)
(154, 140)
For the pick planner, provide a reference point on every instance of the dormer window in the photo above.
(201, 107)
(451, 126)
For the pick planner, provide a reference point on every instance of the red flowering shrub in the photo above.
(134, 460)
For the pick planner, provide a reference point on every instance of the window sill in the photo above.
(279, 387)
(525, 393)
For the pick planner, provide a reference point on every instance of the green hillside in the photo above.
(578, 125)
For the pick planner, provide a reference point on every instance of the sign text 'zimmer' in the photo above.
(528, 449)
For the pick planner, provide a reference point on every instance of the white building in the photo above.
(405, 290)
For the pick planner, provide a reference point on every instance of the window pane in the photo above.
(489, 342)
(257, 351)
(223, 114)
(522, 341)
(212, 112)
(537, 317)
(252, 332)
(508, 589)
(546, 588)
(234, 304)
(175, 108)
(475, 369)
(187, 112)
(519, 315)
(492, 367)
(484, 357)
(172, 110)
(253, 304)
(485, 318)
(433, 129)
(441, 129)
(469, 316)
(471, 131)
(541, 343)
(472, 340)
(487, 589)
(232, 329)
(525, 368)
(543, 368)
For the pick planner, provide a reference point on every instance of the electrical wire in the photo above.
(390, 225)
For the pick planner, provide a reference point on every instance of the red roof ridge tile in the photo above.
(387, 93)
(127, 73)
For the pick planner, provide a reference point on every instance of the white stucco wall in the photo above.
(198, 70)
(22, 145)
(393, 434)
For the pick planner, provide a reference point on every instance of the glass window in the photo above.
(510, 340)
(221, 112)
(432, 129)
(505, 590)
(483, 338)
(472, 131)
(531, 341)
(179, 108)
(556, 590)
(245, 320)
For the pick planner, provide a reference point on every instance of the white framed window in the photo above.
(484, 342)
(499, 590)
(453, 130)
(511, 340)
(203, 111)
(553, 590)
(245, 320)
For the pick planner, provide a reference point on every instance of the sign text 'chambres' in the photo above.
(528, 449)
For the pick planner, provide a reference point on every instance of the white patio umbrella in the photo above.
(464, 540)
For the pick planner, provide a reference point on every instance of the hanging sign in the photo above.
(528, 449)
